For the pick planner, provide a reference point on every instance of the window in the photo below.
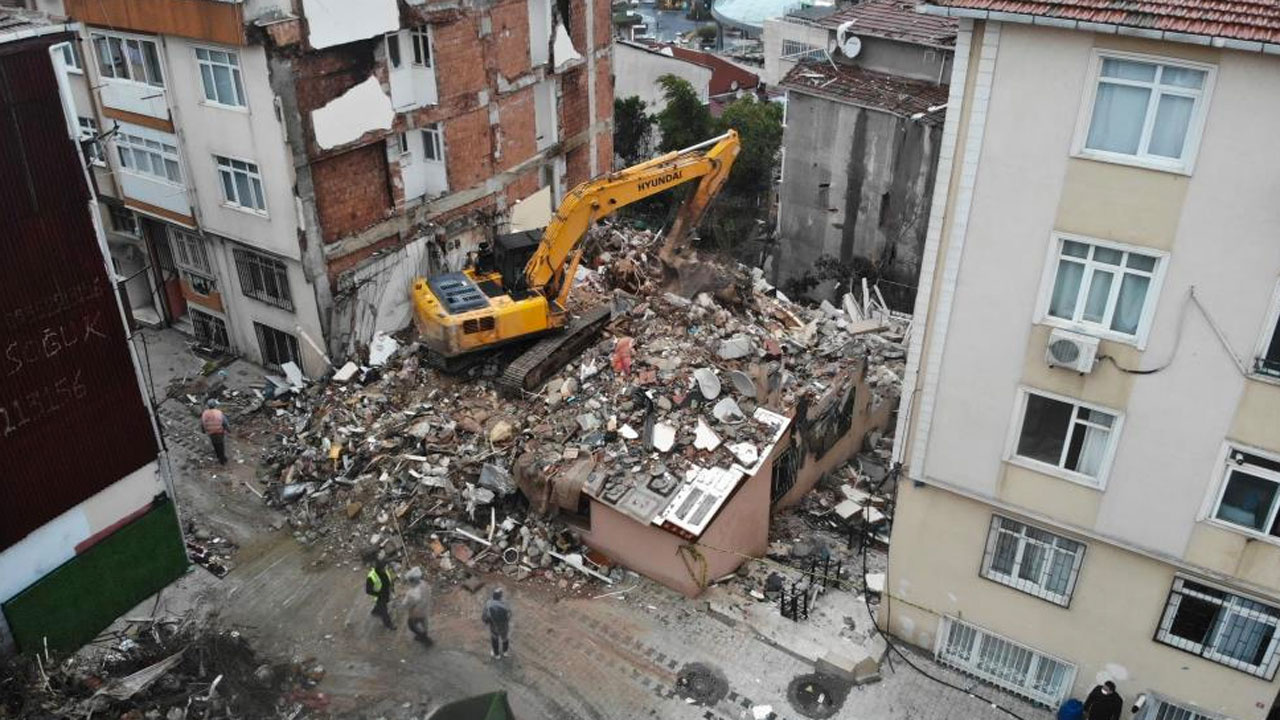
(421, 41)
(71, 55)
(188, 251)
(210, 330)
(149, 157)
(1268, 360)
(796, 50)
(263, 278)
(1014, 667)
(1250, 493)
(128, 58)
(1220, 626)
(402, 146)
(1032, 560)
(220, 75)
(393, 48)
(1158, 708)
(89, 141)
(241, 184)
(1147, 111)
(277, 347)
(123, 220)
(1102, 289)
(432, 144)
(1075, 439)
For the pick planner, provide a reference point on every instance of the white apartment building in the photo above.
(1090, 432)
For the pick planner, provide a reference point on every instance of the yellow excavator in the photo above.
(518, 288)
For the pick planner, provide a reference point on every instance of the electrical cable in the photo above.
(1190, 300)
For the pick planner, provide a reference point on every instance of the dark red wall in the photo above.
(72, 418)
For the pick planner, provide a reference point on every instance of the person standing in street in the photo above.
(378, 583)
(497, 615)
(214, 423)
(1103, 703)
(417, 604)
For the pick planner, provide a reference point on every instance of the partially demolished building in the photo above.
(276, 172)
(663, 449)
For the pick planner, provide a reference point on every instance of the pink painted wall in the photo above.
(742, 526)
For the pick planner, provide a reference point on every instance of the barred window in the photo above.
(1032, 560)
(277, 347)
(188, 251)
(210, 330)
(1014, 667)
(263, 278)
(1217, 625)
(1159, 708)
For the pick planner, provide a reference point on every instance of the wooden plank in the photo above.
(219, 22)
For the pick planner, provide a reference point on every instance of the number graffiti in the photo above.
(31, 406)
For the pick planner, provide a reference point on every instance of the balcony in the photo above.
(208, 20)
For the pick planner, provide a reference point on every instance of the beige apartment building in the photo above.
(1090, 428)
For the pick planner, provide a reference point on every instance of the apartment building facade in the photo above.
(1090, 431)
(276, 172)
(85, 493)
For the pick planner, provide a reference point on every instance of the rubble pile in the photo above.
(392, 457)
(162, 671)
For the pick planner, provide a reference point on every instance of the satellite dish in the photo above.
(850, 44)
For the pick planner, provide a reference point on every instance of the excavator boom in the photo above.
(465, 312)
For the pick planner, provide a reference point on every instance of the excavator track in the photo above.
(545, 357)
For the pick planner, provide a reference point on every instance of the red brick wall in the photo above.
(604, 152)
(324, 75)
(459, 57)
(528, 183)
(518, 122)
(578, 165)
(574, 109)
(510, 23)
(604, 89)
(351, 190)
(468, 149)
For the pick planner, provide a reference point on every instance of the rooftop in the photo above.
(857, 86)
(894, 20)
(726, 77)
(1251, 21)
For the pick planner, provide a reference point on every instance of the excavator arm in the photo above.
(552, 266)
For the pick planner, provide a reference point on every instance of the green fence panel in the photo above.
(74, 603)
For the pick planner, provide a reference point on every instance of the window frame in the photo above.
(237, 73)
(1218, 490)
(942, 646)
(433, 130)
(211, 317)
(121, 135)
(71, 49)
(417, 49)
(1204, 650)
(251, 175)
(1012, 457)
(114, 210)
(1015, 581)
(1049, 276)
(1155, 700)
(1195, 126)
(125, 38)
(89, 130)
(259, 332)
(252, 259)
(1270, 330)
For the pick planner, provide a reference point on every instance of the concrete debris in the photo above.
(672, 388)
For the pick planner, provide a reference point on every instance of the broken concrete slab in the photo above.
(664, 437)
(346, 372)
(727, 411)
(704, 437)
(736, 347)
(708, 382)
(743, 383)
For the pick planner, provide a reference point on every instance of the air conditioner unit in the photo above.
(1071, 350)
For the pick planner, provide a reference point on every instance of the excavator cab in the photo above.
(518, 288)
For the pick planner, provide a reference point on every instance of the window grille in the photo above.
(277, 347)
(263, 278)
(1220, 626)
(1004, 663)
(1034, 561)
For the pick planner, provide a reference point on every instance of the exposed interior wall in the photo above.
(638, 72)
(937, 548)
(741, 526)
(903, 59)
(859, 184)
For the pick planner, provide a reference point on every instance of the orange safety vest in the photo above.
(212, 420)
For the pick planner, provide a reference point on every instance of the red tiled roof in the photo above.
(895, 20)
(723, 73)
(857, 86)
(1249, 20)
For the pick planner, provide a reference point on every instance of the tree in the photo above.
(632, 130)
(685, 120)
(759, 126)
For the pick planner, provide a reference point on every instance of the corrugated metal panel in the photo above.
(72, 419)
